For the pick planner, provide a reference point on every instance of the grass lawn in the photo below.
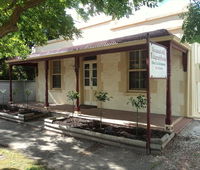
(14, 160)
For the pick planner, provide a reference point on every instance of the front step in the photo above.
(179, 126)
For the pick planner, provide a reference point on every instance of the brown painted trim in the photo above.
(26, 64)
(185, 61)
(168, 119)
(46, 83)
(10, 83)
(77, 68)
(178, 47)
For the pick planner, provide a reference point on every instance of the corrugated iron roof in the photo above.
(153, 34)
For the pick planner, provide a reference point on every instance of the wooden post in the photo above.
(10, 82)
(148, 148)
(77, 65)
(46, 83)
(168, 120)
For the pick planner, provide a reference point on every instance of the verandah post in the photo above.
(168, 120)
(10, 82)
(77, 65)
(46, 83)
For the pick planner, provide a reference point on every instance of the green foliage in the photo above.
(102, 96)
(73, 95)
(191, 24)
(49, 20)
(18, 73)
(139, 103)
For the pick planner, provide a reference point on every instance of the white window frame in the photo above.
(135, 70)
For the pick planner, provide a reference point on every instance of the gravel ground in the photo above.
(183, 153)
(62, 152)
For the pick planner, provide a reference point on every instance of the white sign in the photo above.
(157, 61)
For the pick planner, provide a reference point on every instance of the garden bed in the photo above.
(112, 134)
(19, 115)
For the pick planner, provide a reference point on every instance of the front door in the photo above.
(90, 82)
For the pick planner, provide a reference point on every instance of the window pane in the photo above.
(87, 66)
(134, 60)
(143, 59)
(94, 73)
(133, 80)
(137, 80)
(56, 67)
(56, 81)
(87, 82)
(87, 73)
(143, 79)
(94, 66)
(94, 82)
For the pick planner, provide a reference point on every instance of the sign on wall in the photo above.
(157, 61)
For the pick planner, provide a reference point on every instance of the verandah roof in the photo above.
(103, 46)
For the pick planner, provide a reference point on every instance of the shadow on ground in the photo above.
(64, 152)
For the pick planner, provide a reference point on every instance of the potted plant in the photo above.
(101, 97)
(139, 103)
(27, 94)
(73, 96)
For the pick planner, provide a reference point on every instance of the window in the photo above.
(56, 74)
(90, 74)
(137, 71)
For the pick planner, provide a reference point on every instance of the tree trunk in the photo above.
(27, 102)
(73, 108)
(11, 24)
(101, 114)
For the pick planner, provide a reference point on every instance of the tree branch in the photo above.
(11, 24)
(13, 3)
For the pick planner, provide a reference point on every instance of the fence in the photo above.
(19, 88)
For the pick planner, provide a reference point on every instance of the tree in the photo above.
(101, 97)
(191, 24)
(73, 96)
(24, 23)
(139, 103)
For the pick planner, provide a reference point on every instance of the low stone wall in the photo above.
(157, 144)
(20, 118)
(20, 87)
